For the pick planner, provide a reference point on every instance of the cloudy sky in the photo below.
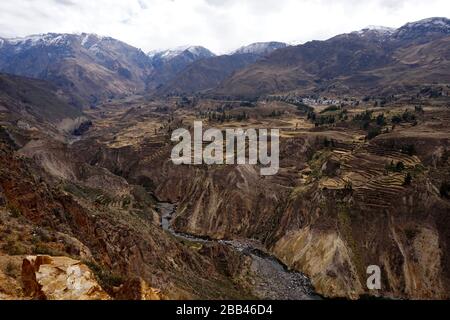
(220, 25)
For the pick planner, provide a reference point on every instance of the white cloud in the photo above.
(221, 25)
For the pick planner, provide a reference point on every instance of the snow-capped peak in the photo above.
(87, 40)
(378, 30)
(197, 52)
(260, 48)
(429, 26)
(40, 39)
(439, 22)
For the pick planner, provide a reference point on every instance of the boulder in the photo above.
(59, 278)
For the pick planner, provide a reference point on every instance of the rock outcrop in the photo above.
(59, 278)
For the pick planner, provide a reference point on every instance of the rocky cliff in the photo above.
(334, 208)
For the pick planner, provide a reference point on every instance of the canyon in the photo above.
(89, 194)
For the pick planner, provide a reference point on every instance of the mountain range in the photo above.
(371, 61)
(91, 68)
(168, 63)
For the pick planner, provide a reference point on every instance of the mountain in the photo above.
(375, 33)
(167, 63)
(32, 103)
(373, 60)
(209, 72)
(423, 30)
(186, 53)
(260, 48)
(206, 73)
(90, 67)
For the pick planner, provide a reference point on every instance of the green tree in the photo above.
(408, 179)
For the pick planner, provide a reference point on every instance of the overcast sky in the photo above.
(220, 25)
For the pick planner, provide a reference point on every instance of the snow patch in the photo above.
(49, 39)
(85, 39)
(260, 48)
(379, 30)
(196, 51)
(430, 22)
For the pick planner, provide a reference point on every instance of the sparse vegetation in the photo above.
(381, 120)
(410, 234)
(327, 116)
(372, 132)
(317, 162)
(419, 109)
(14, 211)
(13, 248)
(107, 279)
(395, 167)
(276, 114)
(328, 142)
(42, 248)
(345, 228)
(373, 126)
(324, 120)
(363, 119)
(348, 186)
(42, 234)
(330, 109)
(311, 116)
(304, 108)
(223, 116)
(406, 117)
(408, 179)
(11, 269)
(247, 104)
(396, 119)
(408, 149)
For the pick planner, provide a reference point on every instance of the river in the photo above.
(273, 280)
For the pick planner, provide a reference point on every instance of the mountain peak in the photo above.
(260, 48)
(53, 39)
(435, 26)
(381, 29)
(41, 54)
(375, 31)
(39, 39)
(440, 22)
(192, 52)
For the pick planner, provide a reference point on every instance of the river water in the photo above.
(273, 280)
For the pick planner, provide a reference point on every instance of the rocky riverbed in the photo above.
(271, 278)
